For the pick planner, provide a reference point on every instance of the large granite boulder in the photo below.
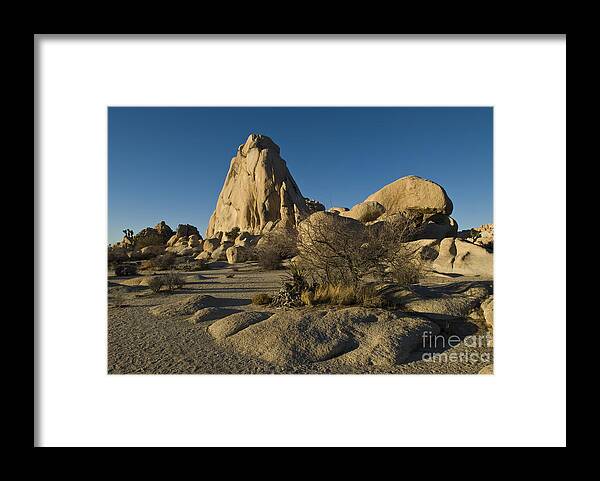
(413, 194)
(365, 211)
(258, 192)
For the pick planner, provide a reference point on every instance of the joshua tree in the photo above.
(129, 236)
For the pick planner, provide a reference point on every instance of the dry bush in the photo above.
(156, 283)
(338, 252)
(173, 281)
(123, 270)
(276, 246)
(192, 265)
(159, 263)
(342, 295)
(261, 299)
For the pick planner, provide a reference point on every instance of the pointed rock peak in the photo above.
(260, 142)
(259, 191)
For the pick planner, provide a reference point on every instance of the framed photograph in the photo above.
(300, 231)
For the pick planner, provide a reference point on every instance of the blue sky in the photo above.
(170, 163)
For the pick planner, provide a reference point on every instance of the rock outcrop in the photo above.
(259, 191)
(454, 256)
(413, 194)
(365, 211)
(151, 236)
(353, 336)
(423, 201)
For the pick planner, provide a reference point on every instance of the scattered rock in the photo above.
(220, 253)
(153, 250)
(203, 256)
(172, 240)
(186, 230)
(194, 241)
(236, 254)
(211, 244)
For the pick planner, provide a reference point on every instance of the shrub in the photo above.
(173, 281)
(276, 246)
(261, 299)
(290, 293)
(155, 283)
(338, 252)
(159, 263)
(123, 270)
(191, 265)
(343, 295)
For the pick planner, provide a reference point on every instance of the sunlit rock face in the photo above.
(259, 192)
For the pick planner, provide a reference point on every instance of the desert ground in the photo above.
(142, 343)
(280, 284)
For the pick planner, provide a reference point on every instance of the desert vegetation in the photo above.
(343, 255)
(275, 247)
(169, 282)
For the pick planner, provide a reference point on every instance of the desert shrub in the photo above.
(173, 281)
(405, 271)
(156, 283)
(261, 299)
(290, 293)
(276, 246)
(337, 252)
(159, 263)
(343, 295)
(123, 270)
(192, 265)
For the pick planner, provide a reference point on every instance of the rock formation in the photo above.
(413, 193)
(365, 211)
(422, 200)
(455, 256)
(352, 336)
(259, 191)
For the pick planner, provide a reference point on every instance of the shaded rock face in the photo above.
(259, 191)
(151, 236)
(413, 194)
(313, 205)
(186, 230)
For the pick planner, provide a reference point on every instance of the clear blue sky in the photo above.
(170, 163)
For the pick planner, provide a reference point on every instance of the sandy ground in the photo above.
(138, 342)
